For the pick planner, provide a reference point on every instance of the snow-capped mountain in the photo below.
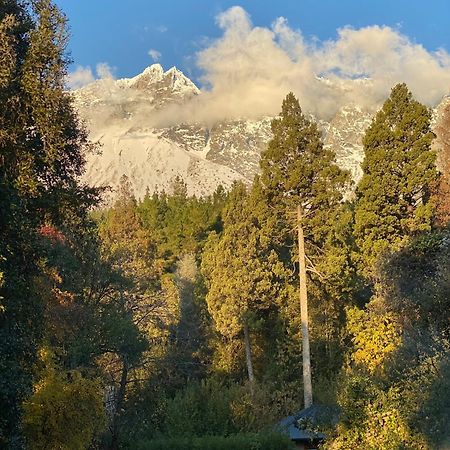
(129, 118)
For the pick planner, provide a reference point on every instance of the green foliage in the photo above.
(393, 196)
(179, 223)
(234, 442)
(126, 244)
(400, 339)
(243, 272)
(210, 407)
(203, 408)
(417, 283)
(399, 360)
(298, 170)
(42, 147)
(376, 417)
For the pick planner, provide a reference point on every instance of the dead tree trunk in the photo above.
(307, 384)
(248, 356)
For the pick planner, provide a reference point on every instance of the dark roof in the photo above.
(319, 415)
(300, 426)
(289, 426)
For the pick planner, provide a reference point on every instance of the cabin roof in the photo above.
(300, 426)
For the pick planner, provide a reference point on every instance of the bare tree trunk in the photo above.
(248, 356)
(119, 404)
(307, 384)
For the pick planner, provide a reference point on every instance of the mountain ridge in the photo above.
(119, 115)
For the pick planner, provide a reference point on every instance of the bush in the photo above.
(206, 408)
(210, 407)
(200, 409)
(265, 441)
(63, 413)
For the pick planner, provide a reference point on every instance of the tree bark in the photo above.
(307, 384)
(119, 404)
(248, 356)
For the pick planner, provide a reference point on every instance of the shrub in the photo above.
(250, 441)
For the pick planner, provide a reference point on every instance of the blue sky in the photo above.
(121, 33)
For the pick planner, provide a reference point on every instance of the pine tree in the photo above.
(300, 177)
(393, 196)
(243, 272)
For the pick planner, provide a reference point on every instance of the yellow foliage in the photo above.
(376, 335)
(227, 358)
(64, 412)
(382, 426)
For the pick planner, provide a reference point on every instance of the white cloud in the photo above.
(104, 71)
(386, 57)
(154, 54)
(80, 77)
(249, 69)
(83, 76)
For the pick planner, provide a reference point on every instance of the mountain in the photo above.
(135, 122)
(118, 114)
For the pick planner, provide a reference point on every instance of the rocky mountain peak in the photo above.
(154, 80)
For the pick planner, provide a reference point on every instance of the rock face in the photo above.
(344, 136)
(235, 144)
(120, 115)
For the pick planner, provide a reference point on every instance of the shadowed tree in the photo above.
(42, 147)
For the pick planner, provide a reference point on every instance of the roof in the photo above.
(300, 427)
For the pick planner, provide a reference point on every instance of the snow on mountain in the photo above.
(116, 111)
(153, 86)
(151, 161)
(441, 127)
(235, 144)
(344, 136)
(120, 114)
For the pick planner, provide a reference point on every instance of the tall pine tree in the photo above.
(393, 196)
(304, 187)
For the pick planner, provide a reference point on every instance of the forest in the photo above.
(175, 322)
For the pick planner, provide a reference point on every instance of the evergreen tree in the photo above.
(300, 177)
(393, 196)
(41, 157)
(243, 272)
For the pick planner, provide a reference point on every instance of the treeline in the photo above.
(174, 321)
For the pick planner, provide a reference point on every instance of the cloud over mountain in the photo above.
(82, 76)
(248, 70)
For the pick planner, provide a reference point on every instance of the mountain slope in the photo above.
(131, 119)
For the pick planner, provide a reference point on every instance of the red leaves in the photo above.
(53, 234)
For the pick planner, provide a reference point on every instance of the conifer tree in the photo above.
(300, 177)
(243, 272)
(41, 157)
(393, 196)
